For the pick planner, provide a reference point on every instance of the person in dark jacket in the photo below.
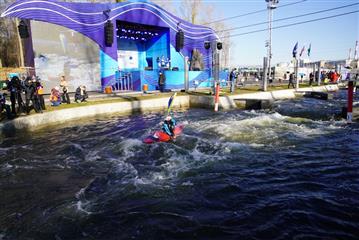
(4, 106)
(30, 91)
(12, 90)
(15, 88)
(291, 80)
(40, 93)
(161, 81)
(311, 78)
(81, 94)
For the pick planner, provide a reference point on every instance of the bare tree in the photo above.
(167, 5)
(199, 12)
(190, 10)
(9, 44)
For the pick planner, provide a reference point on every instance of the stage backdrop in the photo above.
(61, 51)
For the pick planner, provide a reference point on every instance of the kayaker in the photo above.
(169, 126)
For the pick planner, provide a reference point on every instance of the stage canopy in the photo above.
(89, 19)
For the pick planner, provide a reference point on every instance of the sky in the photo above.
(330, 39)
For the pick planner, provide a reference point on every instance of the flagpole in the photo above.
(296, 74)
(271, 6)
(295, 64)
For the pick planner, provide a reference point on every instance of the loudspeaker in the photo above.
(179, 40)
(108, 34)
(23, 31)
(207, 45)
(219, 46)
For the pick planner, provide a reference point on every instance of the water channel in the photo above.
(291, 172)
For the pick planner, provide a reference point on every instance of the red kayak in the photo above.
(160, 136)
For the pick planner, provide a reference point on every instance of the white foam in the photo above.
(79, 207)
(188, 183)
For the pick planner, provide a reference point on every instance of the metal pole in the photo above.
(350, 101)
(270, 13)
(186, 73)
(265, 62)
(296, 74)
(214, 65)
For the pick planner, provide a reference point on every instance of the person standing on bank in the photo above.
(65, 94)
(30, 91)
(15, 88)
(291, 80)
(161, 81)
(232, 79)
(12, 88)
(40, 93)
(311, 78)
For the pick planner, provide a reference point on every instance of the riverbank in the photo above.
(141, 103)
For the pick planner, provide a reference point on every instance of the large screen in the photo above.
(61, 51)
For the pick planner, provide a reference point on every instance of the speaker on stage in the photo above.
(179, 40)
(219, 46)
(23, 30)
(207, 45)
(109, 34)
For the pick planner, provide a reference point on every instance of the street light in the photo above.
(272, 4)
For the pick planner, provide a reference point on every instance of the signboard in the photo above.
(127, 59)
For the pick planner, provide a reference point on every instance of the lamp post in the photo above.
(272, 4)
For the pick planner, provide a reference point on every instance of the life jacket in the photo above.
(40, 90)
(55, 96)
(169, 126)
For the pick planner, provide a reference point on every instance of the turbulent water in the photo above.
(287, 173)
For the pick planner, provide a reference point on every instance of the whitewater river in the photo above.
(287, 173)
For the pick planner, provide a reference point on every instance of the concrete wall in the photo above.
(36, 120)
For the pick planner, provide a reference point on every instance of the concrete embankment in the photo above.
(128, 107)
(64, 115)
(241, 100)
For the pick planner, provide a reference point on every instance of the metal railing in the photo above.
(123, 82)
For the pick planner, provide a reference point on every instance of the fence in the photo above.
(123, 81)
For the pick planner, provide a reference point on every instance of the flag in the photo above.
(301, 52)
(170, 102)
(295, 50)
(309, 49)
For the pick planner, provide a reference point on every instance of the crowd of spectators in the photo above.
(21, 96)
